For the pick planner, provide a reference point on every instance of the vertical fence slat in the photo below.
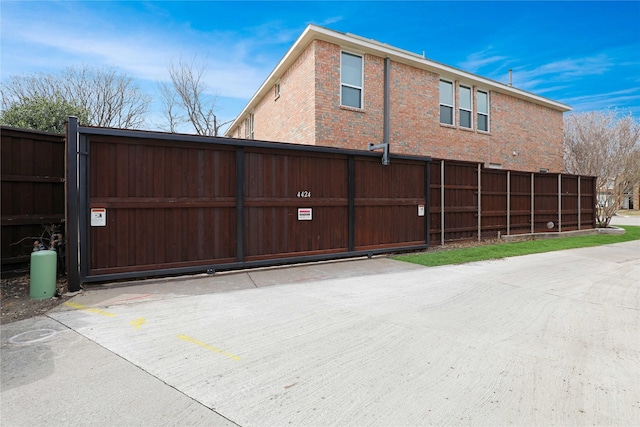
(240, 223)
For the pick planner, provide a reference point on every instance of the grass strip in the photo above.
(504, 250)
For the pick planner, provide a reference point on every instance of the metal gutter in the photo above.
(364, 45)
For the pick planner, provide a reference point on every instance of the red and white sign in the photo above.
(305, 214)
(98, 217)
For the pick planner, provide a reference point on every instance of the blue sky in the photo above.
(584, 54)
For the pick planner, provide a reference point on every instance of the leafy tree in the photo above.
(607, 145)
(109, 98)
(42, 113)
(185, 99)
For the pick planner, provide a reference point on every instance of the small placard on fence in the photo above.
(98, 217)
(305, 214)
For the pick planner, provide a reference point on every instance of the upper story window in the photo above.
(482, 106)
(276, 90)
(446, 102)
(248, 127)
(464, 102)
(351, 80)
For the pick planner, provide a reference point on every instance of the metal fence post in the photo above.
(73, 234)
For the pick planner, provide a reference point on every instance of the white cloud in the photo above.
(599, 101)
(236, 64)
(560, 73)
(330, 20)
(476, 61)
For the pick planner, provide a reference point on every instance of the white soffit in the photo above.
(363, 45)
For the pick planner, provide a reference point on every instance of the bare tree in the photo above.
(185, 99)
(607, 145)
(110, 98)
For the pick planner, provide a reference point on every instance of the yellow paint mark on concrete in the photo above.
(89, 309)
(138, 323)
(207, 346)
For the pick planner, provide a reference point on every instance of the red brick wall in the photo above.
(533, 132)
(346, 127)
(291, 116)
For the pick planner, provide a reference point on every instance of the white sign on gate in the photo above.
(305, 214)
(98, 217)
(420, 210)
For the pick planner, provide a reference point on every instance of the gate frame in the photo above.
(77, 194)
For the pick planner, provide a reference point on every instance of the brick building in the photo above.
(336, 89)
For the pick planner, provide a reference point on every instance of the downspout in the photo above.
(387, 84)
(385, 113)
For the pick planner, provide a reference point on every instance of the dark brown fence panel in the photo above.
(387, 201)
(588, 201)
(33, 169)
(546, 207)
(569, 211)
(167, 205)
(493, 202)
(178, 204)
(460, 201)
(295, 203)
(520, 202)
(435, 203)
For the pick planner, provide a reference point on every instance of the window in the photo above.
(482, 105)
(276, 90)
(446, 102)
(351, 80)
(464, 101)
(248, 127)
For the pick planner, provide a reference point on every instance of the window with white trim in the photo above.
(351, 80)
(482, 107)
(248, 127)
(446, 102)
(464, 103)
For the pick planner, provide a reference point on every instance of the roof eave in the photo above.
(314, 32)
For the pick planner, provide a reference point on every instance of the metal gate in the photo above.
(149, 204)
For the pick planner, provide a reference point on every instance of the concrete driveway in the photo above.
(548, 339)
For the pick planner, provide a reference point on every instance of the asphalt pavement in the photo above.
(546, 339)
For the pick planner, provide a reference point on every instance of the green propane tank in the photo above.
(42, 284)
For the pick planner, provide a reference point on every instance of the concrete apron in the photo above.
(541, 339)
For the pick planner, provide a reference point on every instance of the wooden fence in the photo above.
(152, 204)
(33, 172)
(175, 204)
(470, 202)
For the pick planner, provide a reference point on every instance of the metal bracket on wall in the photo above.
(385, 152)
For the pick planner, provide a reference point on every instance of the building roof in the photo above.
(364, 45)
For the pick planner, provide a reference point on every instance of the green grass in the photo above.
(504, 250)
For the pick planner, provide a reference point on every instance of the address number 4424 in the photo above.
(304, 194)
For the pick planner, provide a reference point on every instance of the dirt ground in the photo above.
(16, 304)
